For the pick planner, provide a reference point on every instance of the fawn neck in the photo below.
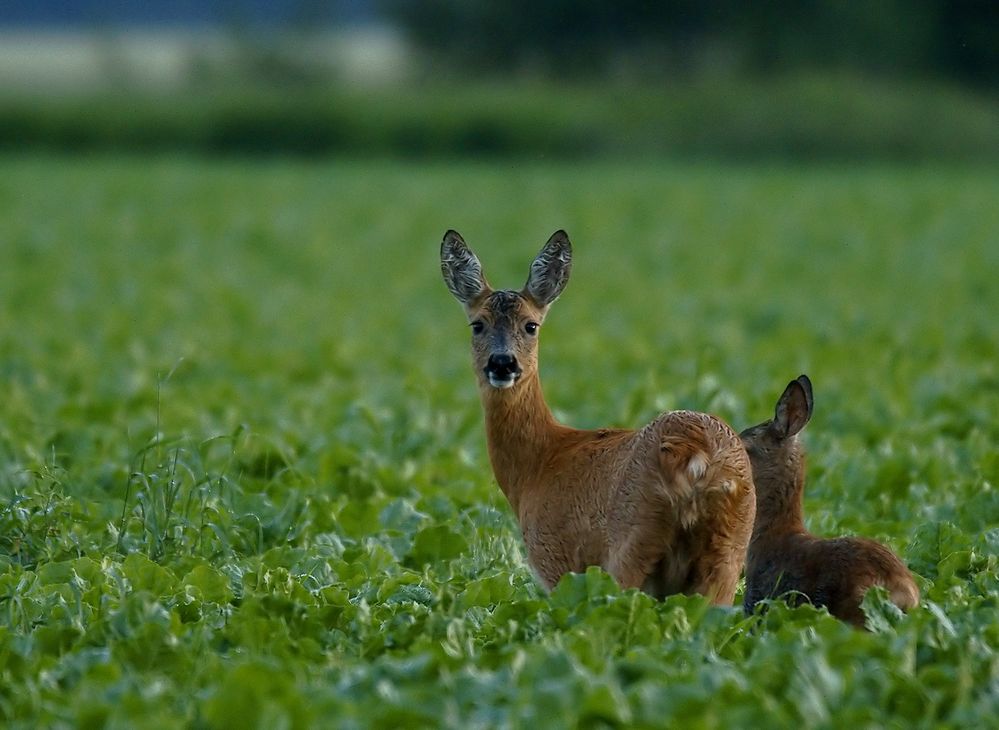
(520, 433)
(779, 493)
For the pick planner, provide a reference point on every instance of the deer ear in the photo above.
(794, 408)
(461, 269)
(550, 270)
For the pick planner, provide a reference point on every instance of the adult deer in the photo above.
(787, 560)
(668, 508)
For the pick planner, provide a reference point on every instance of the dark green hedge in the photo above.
(817, 118)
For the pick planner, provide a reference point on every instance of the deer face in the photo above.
(505, 337)
(773, 448)
(505, 323)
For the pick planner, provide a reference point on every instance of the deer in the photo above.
(785, 560)
(666, 509)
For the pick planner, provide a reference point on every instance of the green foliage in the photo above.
(573, 38)
(242, 466)
(800, 116)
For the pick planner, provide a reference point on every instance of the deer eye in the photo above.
(477, 327)
(531, 328)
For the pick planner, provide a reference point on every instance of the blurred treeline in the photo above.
(888, 80)
(953, 39)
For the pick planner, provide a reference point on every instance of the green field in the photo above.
(242, 469)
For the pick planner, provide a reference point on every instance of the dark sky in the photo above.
(95, 13)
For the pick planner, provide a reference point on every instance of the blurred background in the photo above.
(894, 80)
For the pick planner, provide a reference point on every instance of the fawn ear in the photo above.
(794, 408)
(461, 269)
(550, 270)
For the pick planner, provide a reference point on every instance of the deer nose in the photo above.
(502, 370)
(502, 364)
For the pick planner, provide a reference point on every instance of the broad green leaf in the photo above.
(487, 591)
(213, 585)
(437, 543)
(56, 573)
(145, 575)
(577, 588)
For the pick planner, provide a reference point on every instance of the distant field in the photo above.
(242, 463)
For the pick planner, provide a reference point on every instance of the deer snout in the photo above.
(502, 370)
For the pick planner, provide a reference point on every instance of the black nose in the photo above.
(502, 364)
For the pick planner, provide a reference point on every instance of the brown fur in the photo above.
(668, 508)
(784, 558)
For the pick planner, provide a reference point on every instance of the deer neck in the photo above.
(520, 433)
(778, 506)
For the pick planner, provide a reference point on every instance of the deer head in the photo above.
(776, 455)
(504, 322)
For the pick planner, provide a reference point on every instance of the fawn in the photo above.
(783, 556)
(667, 509)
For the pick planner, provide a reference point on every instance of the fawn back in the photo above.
(667, 508)
(784, 558)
